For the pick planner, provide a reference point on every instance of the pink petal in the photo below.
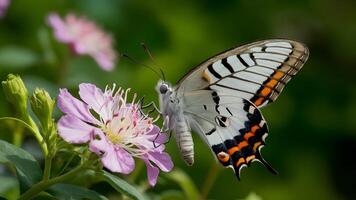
(152, 173)
(162, 160)
(98, 144)
(118, 160)
(59, 27)
(160, 139)
(104, 62)
(113, 158)
(73, 130)
(72, 106)
(95, 99)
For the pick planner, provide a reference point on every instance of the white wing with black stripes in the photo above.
(257, 72)
(222, 97)
(233, 127)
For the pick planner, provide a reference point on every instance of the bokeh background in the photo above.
(312, 141)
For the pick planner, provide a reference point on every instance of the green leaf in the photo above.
(185, 182)
(121, 185)
(27, 168)
(9, 187)
(68, 191)
(17, 57)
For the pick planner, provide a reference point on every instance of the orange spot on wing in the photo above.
(240, 162)
(259, 101)
(250, 158)
(272, 83)
(242, 144)
(248, 135)
(232, 150)
(223, 157)
(255, 128)
(256, 145)
(206, 76)
(278, 75)
(266, 91)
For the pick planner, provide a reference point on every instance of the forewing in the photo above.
(233, 127)
(257, 71)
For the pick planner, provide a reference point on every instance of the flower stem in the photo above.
(47, 169)
(34, 130)
(209, 182)
(44, 184)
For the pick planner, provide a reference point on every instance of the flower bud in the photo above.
(42, 105)
(16, 92)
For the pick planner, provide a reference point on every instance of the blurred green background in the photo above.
(312, 141)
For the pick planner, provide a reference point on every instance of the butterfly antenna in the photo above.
(139, 63)
(147, 50)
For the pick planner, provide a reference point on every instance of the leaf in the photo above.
(9, 187)
(17, 57)
(185, 183)
(68, 191)
(121, 185)
(27, 168)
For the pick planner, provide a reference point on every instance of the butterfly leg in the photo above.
(147, 106)
(164, 128)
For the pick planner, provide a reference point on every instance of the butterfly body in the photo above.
(220, 100)
(171, 109)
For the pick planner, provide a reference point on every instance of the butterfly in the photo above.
(220, 99)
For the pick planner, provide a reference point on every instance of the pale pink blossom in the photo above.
(115, 129)
(85, 38)
(4, 4)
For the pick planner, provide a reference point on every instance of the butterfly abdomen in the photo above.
(184, 141)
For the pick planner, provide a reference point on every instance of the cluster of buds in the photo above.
(42, 106)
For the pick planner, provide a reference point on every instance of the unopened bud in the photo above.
(16, 92)
(42, 105)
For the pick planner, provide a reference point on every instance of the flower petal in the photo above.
(98, 143)
(73, 130)
(72, 106)
(160, 139)
(152, 173)
(118, 160)
(113, 158)
(95, 99)
(162, 160)
(60, 29)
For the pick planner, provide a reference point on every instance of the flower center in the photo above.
(120, 130)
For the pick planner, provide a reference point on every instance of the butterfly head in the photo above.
(163, 87)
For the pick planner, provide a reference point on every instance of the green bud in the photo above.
(16, 92)
(42, 105)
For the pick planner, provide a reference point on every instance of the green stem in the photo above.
(209, 182)
(44, 184)
(35, 132)
(47, 169)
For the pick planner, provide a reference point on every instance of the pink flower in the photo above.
(116, 131)
(85, 38)
(3, 7)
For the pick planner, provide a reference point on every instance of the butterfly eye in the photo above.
(163, 89)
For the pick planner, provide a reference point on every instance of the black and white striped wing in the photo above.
(233, 127)
(257, 72)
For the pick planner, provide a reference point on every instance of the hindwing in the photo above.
(233, 127)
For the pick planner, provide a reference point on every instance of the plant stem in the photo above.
(44, 184)
(47, 169)
(209, 182)
(34, 130)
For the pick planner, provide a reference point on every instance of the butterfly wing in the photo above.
(257, 72)
(233, 127)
